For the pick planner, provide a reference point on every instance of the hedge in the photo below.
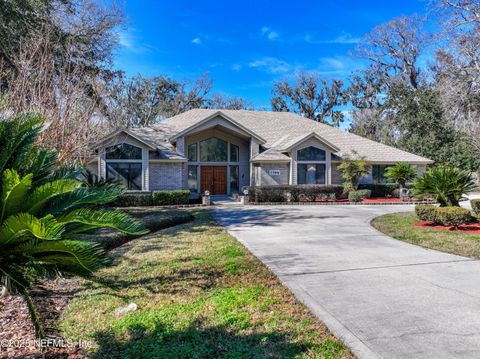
(475, 206)
(155, 198)
(380, 190)
(445, 216)
(359, 195)
(165, 198)
(426, 212)
(452, 216)
(297, 193)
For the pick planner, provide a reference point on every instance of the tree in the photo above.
(144, 101)
(401, 173)
(393, 49)
(352, 168)
(445, 183)
(219, 101)
(310, 97)
(43, 211)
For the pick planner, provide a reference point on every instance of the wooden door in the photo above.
(213, 179)
(220, 179)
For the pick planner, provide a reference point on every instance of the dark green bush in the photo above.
(134, 200)
(426, 212)
(475, 206)
(452, 216)
(297, 193)
(380, 190)
(359, 195)
(168, 198)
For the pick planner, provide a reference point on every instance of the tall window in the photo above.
(213, 150)
(311, 167)
(234, 153)
(192, 152)
(128, 174)
(378, 173)
(124, 165)
(311, 173)
(234, 184)
(193, 178)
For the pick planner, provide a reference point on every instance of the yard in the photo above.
(400, 226)
(200, 294)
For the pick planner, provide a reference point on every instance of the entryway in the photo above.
(214, 179)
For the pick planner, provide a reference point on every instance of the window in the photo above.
(192, 152)
(234, 153)
(193, 178)
(128, 174)
(123, 151)
(213, 150)
(234, 184)
(311, 173)
(378, 173)
(311, 154)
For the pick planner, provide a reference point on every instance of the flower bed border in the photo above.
(332, 203)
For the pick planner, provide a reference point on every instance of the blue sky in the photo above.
(247, 45)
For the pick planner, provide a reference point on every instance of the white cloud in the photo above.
(197, 41)
(269, 33)
(130, 40)
(236, 67)
(343, 38)
(271, 65)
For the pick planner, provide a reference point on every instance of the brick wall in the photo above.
(166, 176)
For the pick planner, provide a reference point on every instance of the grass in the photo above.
(400, 226)
(200, 294)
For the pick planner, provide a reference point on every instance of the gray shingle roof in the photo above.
(283, 127)
(271, 155)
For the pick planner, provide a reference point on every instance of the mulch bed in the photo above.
(381, 201)
(472, 228)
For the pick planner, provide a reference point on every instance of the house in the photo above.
(224, 150)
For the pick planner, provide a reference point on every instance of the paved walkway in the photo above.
(384, 298)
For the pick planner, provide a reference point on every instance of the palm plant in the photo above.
(401, 173)
(352, 170)
(42, 212)
(445, 183)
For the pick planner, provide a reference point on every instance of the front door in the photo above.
(214, 179)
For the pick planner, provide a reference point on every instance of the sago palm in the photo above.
(42, 213)
(445, 183)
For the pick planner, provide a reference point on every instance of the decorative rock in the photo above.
(129, 308)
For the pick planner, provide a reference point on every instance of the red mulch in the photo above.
(382, 200)
(473, 228)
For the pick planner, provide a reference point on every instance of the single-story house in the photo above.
(224, 150)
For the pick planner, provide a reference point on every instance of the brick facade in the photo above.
(167, 176)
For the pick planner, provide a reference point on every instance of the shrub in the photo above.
(475, 206)
(134, 200)
(426, 212)
(352, 170)
(452, 216)
(167, 198)
(358, 196)
(380, 190)
(445, 183)
(400, 173)
(297, 193)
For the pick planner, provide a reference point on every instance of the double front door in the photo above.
(213, 179)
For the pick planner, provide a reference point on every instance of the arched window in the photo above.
(311, 154)
(213, 150)
(123, 151)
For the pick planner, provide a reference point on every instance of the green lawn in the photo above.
(200, 294)
(399, 226)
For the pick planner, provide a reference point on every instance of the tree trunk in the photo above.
(3, 292)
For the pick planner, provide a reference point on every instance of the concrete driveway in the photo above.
(383, 298)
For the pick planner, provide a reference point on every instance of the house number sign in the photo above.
(274, 172)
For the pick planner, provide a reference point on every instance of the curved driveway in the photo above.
(384, 298)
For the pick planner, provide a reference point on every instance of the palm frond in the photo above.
(97, 218)
(14, 190)
(44, 193)
(71, 256)
(24, 226)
